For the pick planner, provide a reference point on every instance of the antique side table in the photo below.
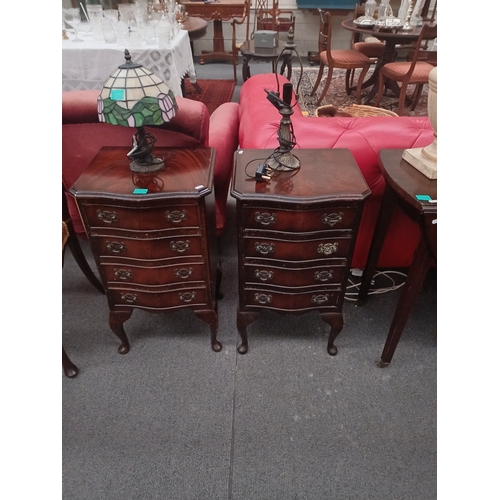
(404, 184)
(153, 236)
(296, 235)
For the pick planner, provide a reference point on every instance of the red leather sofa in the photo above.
(83, 136)
(364, 137)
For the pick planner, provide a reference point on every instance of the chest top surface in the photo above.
(187, 173)
(324, 176)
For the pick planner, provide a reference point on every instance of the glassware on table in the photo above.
(96, 16)
(180, 14)
(73, 18)
(370, 8)
(108, 31)
(111, 14)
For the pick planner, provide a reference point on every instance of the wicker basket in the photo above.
(360, 110)
(356, 110)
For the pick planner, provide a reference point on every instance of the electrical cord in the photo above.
(352, 296)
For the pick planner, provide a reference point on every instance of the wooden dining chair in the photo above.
(370, 46)
(268, 16)
(414, 72)
(348, 59)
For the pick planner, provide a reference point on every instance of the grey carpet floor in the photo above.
(174, 420)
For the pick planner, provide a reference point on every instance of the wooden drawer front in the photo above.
(159, 248)
(160, 275)
(159, 300)
(279, 276)
(261, 298)
(299, 220)
(138, 218)
(296, 250)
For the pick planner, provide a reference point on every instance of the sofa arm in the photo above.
(192, 118)
(223, 137)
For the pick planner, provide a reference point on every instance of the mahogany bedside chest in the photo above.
(296, 235)
(153, 236)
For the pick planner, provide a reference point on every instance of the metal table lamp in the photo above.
(134, 96)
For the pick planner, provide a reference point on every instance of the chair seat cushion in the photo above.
(349, 56)
(370, 49)
(398, 70)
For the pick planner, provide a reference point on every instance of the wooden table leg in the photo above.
(243, 319)
(386, 209)
(336, 322)
(219, 53)
(70, 369)
(211, 318)
(116, 320)
(422, 260)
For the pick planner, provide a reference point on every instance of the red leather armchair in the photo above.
(83, 136)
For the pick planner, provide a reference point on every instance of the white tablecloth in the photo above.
(87, 64)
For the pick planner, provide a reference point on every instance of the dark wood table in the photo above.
(391, 39)
(217, 11)
(296, 236)
(155, 251)
(403, 184)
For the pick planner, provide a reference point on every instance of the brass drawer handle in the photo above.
(265, 219)
(332, 219)
(264, 248)
(129, 297)
(262, 298)
(180, 246)
(328, 248)
(187, 296)
(176, 216)
(107, 216)
(323, 275)
(116, 246)
(264, 275)
(123, 274)
(320, 299)
(184, 272)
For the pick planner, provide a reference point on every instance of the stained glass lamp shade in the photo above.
(134, 96)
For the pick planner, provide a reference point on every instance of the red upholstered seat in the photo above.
(414, 72)
(370, 49)
(397, 70)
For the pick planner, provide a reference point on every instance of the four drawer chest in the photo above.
(153, 236)
(296, 235)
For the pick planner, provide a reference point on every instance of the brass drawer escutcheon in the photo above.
(129, 297)
(265, 219)
(332, 219)
(176, 216)
(184, 272)
(123, 274)
(180, 246)
(107, 216)
(116, 246)
(262, 298)
(323, 275)
(264, 275)
(264, 248)
(187, 296)
(328, 248)
(320, 299)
